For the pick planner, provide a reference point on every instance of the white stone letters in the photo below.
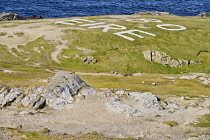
(143, 20)
(106, 27)
(109, 26)
(73, 20)
(178, 29)
(131, 33)
(92, 24)
(64, 22)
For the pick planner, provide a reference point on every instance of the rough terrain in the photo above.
(65, 104)
(112, 112)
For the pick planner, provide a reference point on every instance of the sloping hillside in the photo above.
(115, 43)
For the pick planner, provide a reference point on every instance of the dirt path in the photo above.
(32, 30)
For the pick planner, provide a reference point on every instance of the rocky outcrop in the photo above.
(203, 15)
(164, 59)
(10, 16)
(58, 93)
(7, 95)
(119, 107)
(14, 16)
(145, 102)
(154, 13)
(33, 17)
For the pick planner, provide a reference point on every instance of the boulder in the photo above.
(30, 100)
(40, 104)
(61, 88)
(10, 16)
(87, 91)
(11, 96)
(90, 60)
(163, 58)
(4, 90)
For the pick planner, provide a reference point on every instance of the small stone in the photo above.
(128, 75)
(45, 130)
(77, 55)
(153, 84)
(122, 92)
(182, 98)
(28, 112)
(24, 137)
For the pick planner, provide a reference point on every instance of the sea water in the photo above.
(71, 8)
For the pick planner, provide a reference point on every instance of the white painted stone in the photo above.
(179, 29)
(73, 20)
(92, 24)
(109, 26)
(131, 33)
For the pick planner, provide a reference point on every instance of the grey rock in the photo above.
(4, 90)
(62, 87)
(163, 58)
(58, 93)
(188, 77)
(27, 112)
(11, 96)
(30, 100)
(119, 107)
(90, 60)
(122, 92)
(172, 107)
(87, 91)
(36, 90)
(10, 16)
(40, 104)
(205, 80)
(147, 55)
(147, 99)
(59, 103)
(19, 99)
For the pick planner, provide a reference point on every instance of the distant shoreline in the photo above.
(15, 16)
